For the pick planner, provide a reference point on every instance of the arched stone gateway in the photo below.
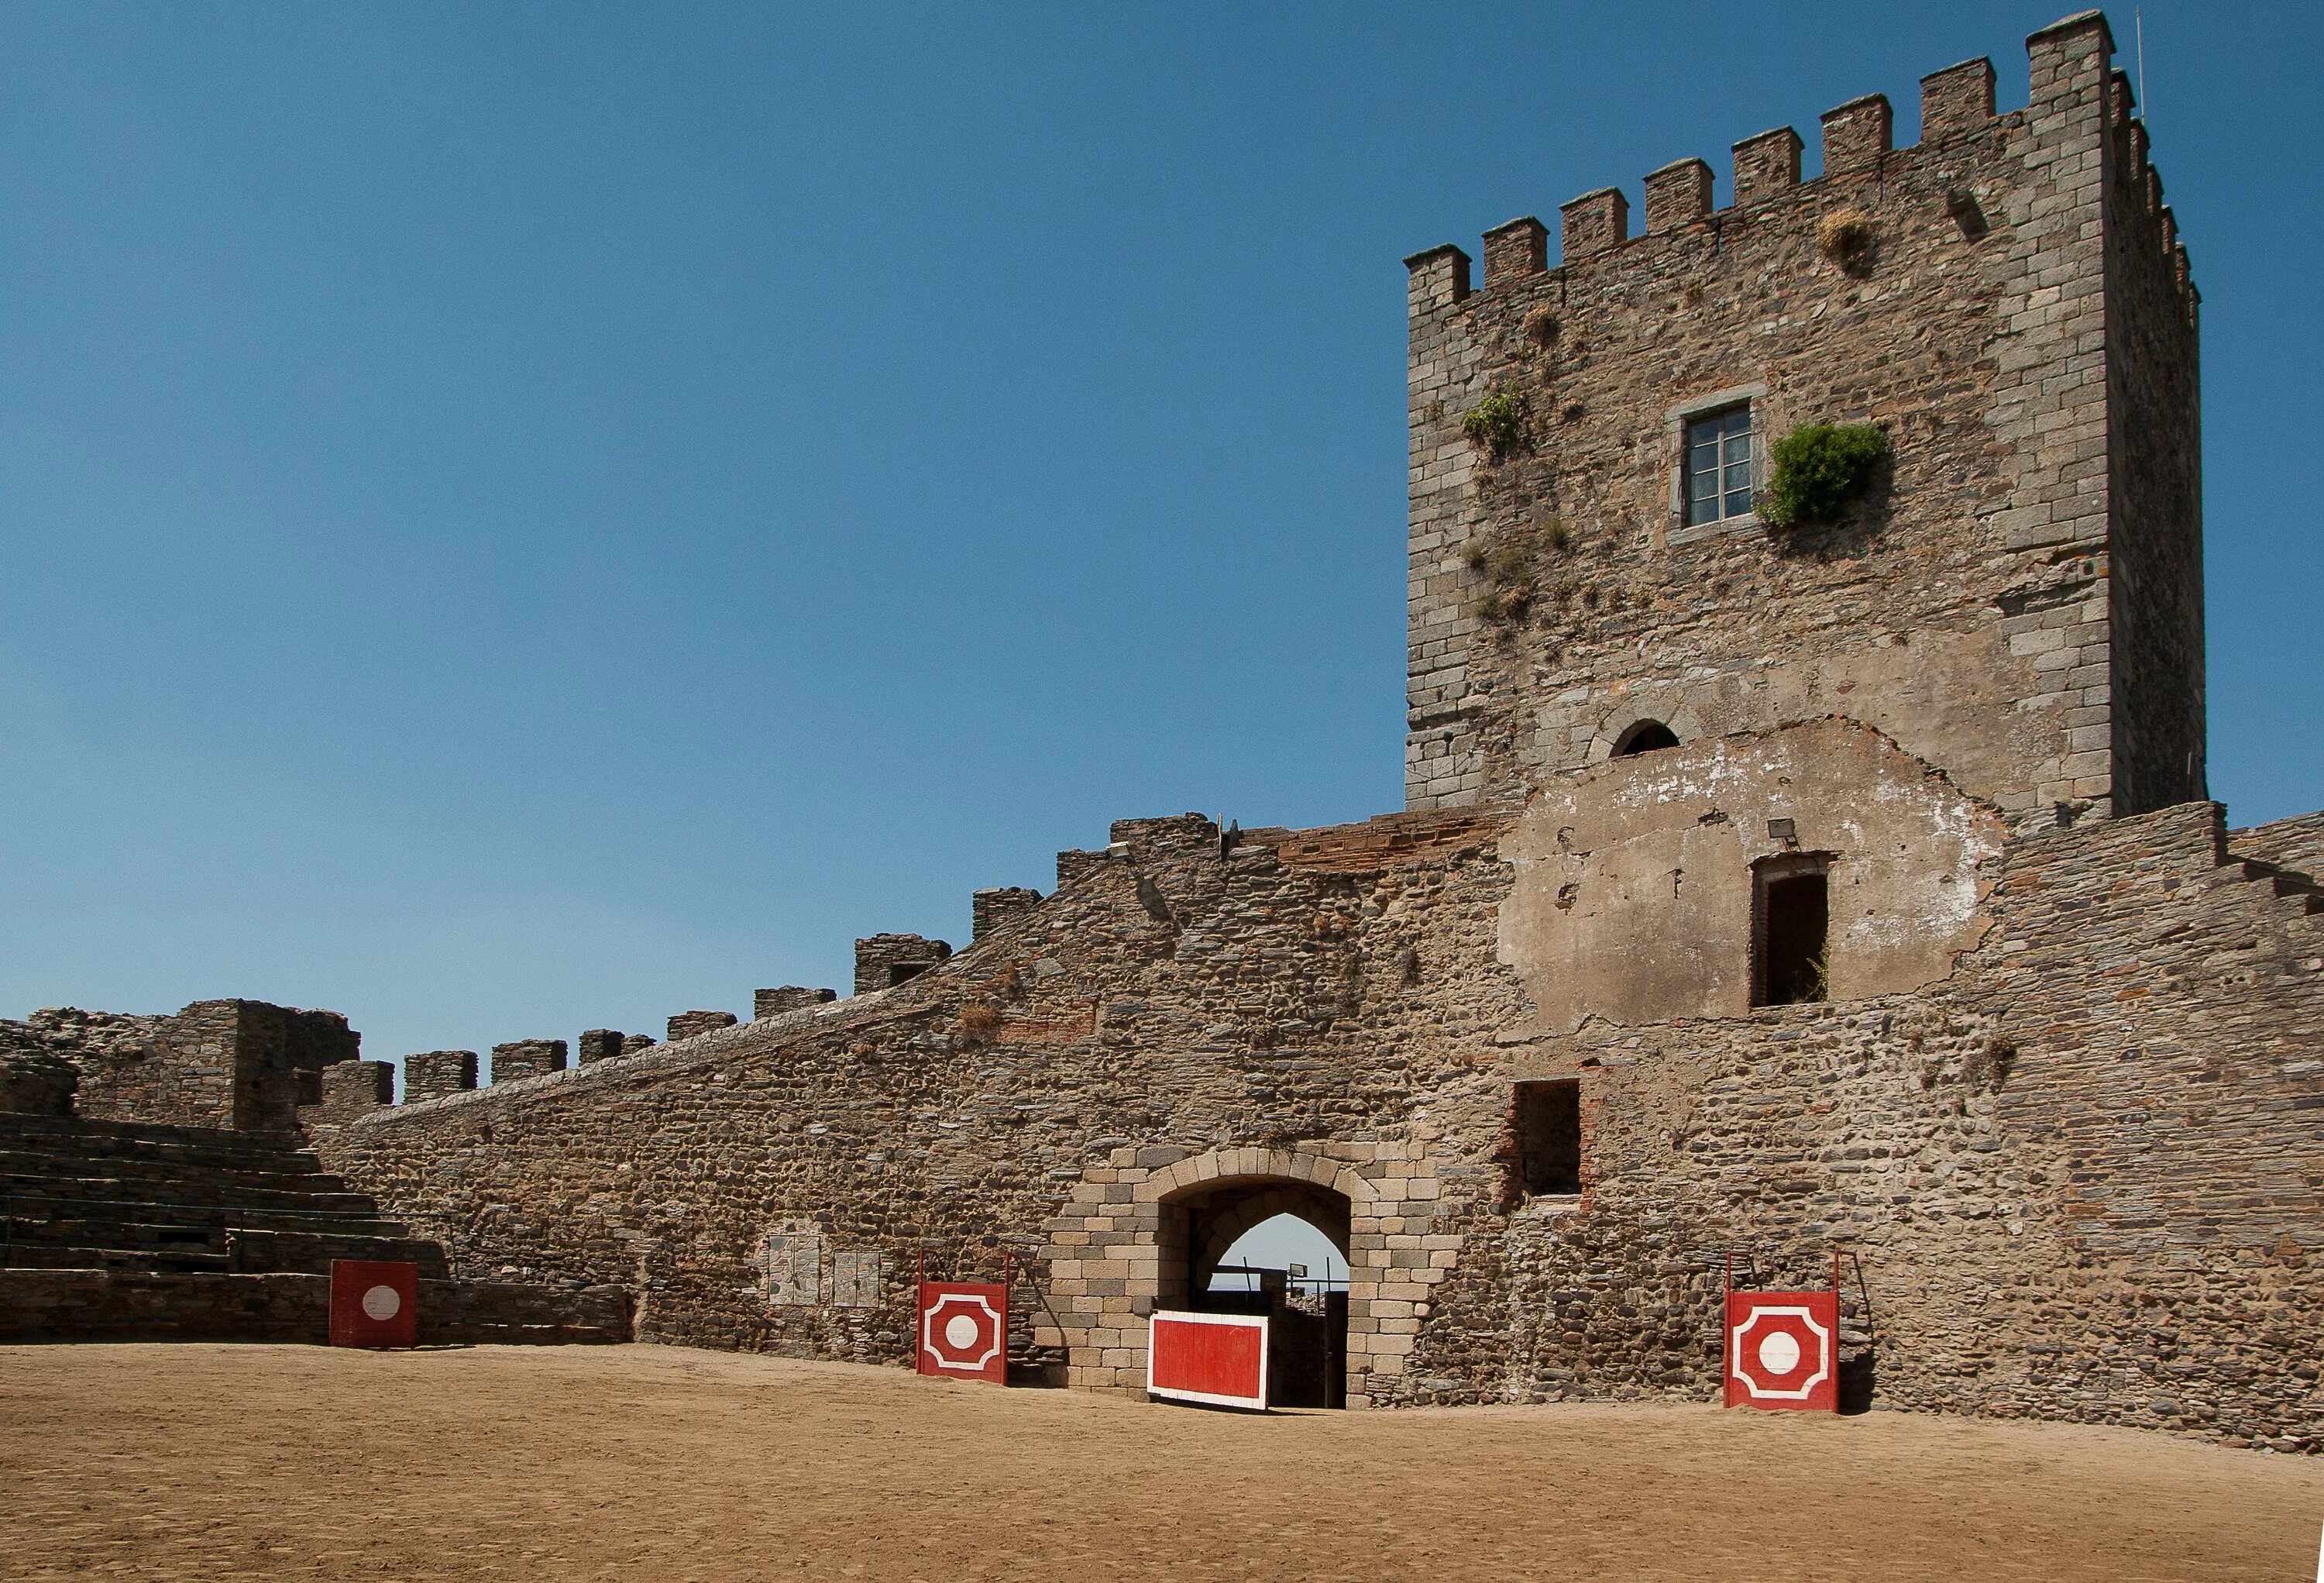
(1146, 1230)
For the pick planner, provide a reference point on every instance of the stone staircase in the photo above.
(119, 1231)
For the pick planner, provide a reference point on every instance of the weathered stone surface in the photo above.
(886, 960)
(33, 1082)
(242, 1064)
(529, 1057)
(2054, 1109)
(791, 997)
(2023, 591)
(687, 1024)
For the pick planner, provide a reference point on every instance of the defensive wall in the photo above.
(2050, 1081)
(2080, 1171)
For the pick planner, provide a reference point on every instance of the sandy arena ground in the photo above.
(648, 1463)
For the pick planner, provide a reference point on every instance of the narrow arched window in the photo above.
(1645, 737)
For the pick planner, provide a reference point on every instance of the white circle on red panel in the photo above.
(961, 1331)
(1779, 1352)
(383, 1302)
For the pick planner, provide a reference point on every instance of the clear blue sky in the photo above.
(522, 518)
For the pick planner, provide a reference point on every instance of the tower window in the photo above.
(1719, 465)
(1791, 916)
(1645, 737)
(1548, 1118)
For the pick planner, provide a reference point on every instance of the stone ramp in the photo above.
(121, 1232)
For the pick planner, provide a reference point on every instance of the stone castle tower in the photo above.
(2018, 603)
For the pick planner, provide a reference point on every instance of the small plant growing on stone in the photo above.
(980, 1020)
(1511, 569)
(1496, 424)
(1540, 325)
(1845, 236)
(1819, 470)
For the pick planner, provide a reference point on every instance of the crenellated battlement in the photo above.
(1857, 142)
(2008, 296)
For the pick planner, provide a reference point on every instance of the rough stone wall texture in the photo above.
(1964, 609)
(350, 1089)
(791, 997)
(886, 960)
(687, 1024)
(529, 1057)
(597, 1044)
(2293, 843)
(2064, 1114)
(2154, 452)
(2077, 1171)
(988, 908)
(432, 1073)
(242, 1064)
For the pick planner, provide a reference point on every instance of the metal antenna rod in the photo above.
(2138, 27)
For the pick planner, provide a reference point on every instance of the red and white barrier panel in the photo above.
(964, 1330)
(1216, 1360)
(1782, 1350)
(374, 1304)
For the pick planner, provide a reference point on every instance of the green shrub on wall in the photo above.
(1497, 423)
(1820, 469)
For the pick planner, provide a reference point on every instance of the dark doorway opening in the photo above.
(1645, 737)
(1548, 1121)
(1794, 920)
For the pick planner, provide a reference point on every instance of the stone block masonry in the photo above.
(527, 1057)
(1323, 1024)
(239, 1064)
(791, 997)
(437, 1072)
(886, 960)
(2018, 592)
(2029, 1035)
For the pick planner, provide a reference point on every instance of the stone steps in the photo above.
(115, 1232)
(185, 1193)
(115, 1244)
(78, 1139)
(50, 1161)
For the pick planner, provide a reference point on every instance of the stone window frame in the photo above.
(1677, 529)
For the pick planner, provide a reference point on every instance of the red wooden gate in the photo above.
(1218, 1359)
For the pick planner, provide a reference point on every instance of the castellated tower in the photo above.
(2017, 600)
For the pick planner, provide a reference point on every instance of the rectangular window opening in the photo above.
(1793, 903)
(1548, 1118)
(1719, 465)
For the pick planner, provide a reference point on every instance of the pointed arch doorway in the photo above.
(1200, 1230)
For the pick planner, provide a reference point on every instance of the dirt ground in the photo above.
(645, 1462)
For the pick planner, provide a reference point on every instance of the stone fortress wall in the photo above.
(2060, 1104)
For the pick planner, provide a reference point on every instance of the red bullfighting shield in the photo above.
(1782, 1350)
(964, 1330)
(374, 1305)
(1218, 1359)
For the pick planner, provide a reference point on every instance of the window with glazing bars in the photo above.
(1719, 466)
